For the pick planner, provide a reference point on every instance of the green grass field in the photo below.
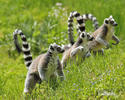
(101, 77)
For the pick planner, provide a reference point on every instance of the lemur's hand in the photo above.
(107, 46)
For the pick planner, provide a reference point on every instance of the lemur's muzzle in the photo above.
(62, 51)
(115, 24)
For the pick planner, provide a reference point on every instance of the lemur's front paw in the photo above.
(81, 48)
(88, 54)
(115, 43)
(72, 54)
(107, 46)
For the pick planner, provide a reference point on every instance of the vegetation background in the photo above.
(45, 22)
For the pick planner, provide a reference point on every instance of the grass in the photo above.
(101, 77)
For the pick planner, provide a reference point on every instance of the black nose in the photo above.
(83, 35)
(62, 51)
(115, 24)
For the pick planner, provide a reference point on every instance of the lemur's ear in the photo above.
(110, 16)
(91, 38)
(88, 35)
(54, 43)
(51, 47)
(106, 21)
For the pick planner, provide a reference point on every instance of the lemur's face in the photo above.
(110, 21)
(54, 48)
(86, 37)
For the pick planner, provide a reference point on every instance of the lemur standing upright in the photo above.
(103, 35)
(44, 67)
(78, 49)
(105, 31)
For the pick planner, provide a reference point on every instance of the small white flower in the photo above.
(58, 4)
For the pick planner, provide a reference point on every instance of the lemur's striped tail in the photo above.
(92, 18)
(25, 47)
(81, 23)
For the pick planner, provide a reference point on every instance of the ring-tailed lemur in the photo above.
(78, 49)
(103, 35)
(81, 23)
(25, 47)
(44, 67)
(93, 45)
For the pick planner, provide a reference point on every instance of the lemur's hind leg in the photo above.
(100, 52)
(30, 83)
(60, 70)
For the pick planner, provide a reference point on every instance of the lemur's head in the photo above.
(54, 48)
(110, 21)
(86, 37)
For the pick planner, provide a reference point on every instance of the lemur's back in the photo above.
(99, 30)
(34, 66)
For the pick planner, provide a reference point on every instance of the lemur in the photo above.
(81, 23)
(103, 35)
(94, 45)
(78, 49)
(44, 67)
(81, 27)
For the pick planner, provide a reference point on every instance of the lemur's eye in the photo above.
(91, 38)
(58, 49)
(88, 36)
(111, 22)
(106, 21)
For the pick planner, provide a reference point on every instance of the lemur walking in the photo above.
(44, 67)
(78, 49)
(103, 35)
(81, 23)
